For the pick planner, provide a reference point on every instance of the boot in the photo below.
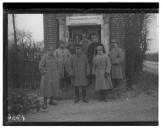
(115, 83)
(76, 95)
(84, 95)
(45, 103)
(104, 96)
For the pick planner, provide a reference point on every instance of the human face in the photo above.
(113, 45)
(78, 50)
(94, 38)
(77, 37)
(99, 50)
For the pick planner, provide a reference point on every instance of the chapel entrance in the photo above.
(76, 32)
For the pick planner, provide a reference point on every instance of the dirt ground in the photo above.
(131, 106)
(140, 108)
(138, 104)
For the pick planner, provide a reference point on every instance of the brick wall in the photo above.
(117, 29)
(50, 30)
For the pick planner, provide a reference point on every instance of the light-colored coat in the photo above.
(80, 70)
(102, 65)
(64, 61)
(116, 57)
(49, 83)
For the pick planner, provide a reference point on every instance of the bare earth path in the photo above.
(140, 108)
(131, 106)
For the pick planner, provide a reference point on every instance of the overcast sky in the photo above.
(29, 22)
(34, 24)
(153, 28)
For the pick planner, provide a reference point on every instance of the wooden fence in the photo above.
(23, 72)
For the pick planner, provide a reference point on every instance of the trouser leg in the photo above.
(77, 93)
(45, 103)
(91, 75)
(62, 83)
(115, 83)
(103, 94)
(68, 82)
(84, 92)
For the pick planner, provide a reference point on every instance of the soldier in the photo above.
(48, 67)
(80, 69)
(116, 57)
(63, 56)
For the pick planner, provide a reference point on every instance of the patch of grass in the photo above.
(22, 101)
(146, 83)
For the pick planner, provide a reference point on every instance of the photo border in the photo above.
(39, 8)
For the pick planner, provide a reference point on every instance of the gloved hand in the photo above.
(107, 74)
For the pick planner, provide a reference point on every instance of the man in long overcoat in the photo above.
(48, 67)
(116, 56)
(63, 56)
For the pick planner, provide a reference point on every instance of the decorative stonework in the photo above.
(84, 20)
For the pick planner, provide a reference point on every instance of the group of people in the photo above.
(87, 64)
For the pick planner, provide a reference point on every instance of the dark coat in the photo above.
(80, 70)
(91, 52)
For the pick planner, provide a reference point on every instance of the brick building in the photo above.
(66, 26)
(106, 26)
